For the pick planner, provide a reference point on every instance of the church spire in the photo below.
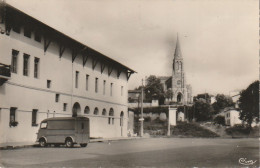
(177, 53)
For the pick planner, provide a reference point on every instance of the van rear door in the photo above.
(86, 131)
(82, 131)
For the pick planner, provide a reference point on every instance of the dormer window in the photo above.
(16, 28)
(37, 36)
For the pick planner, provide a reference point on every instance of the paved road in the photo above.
(154, 152)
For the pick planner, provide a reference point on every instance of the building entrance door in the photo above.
(76, 109)
(179, 98)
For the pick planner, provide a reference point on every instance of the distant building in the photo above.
(232, 117)
(134, 100)
(182, 92)
(134, 96)
(45, 73)
(212, 99)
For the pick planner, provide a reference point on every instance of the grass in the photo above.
(157, 128)
(183, 129)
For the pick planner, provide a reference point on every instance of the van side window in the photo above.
(61, 124)
(82, 125)
(44, 125)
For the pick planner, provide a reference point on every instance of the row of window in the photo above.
(96, 84)
(27, 32)
(96, 111)
(228, 114)
(26, 59)
(13, 121)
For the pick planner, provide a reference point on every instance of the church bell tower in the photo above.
(178, 76)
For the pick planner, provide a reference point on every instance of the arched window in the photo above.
(86, 110)
(76, 109)
(96, 111)
(180, 65)
(179, 98)
(177, 65)
(104, 112)
(111, 112)
(111, 118)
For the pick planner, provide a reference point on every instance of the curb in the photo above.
(12, 147)
(109, 140)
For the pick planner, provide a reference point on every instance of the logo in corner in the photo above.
(246, 162)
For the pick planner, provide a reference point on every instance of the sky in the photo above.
(219, 38)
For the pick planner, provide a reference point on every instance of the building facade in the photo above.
(44, 73)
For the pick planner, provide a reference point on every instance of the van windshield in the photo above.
(44, 125)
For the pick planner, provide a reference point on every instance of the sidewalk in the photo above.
(17, 145)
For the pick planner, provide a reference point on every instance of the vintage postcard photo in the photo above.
(129, 83)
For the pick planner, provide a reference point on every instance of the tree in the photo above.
(222, 101)
(203, 110)
(249, 103)
(219, 120)
(169, 94)
(205, 96)
(154, 89)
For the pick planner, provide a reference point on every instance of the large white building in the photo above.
(231, 117)
(45, 73)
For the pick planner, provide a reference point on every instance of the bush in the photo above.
(238, 129)
(159, 121)
(219, 120)
(147, 119)
(153, 110)
(255, 132)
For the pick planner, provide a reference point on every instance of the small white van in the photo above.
(64, 130)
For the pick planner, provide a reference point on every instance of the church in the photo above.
(181, 91)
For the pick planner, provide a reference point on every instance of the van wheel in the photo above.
(69, 143)
(42, 142)
(84, 145)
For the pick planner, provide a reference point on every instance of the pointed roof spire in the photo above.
(177, 53)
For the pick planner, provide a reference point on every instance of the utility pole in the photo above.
(185, 115)
(169, 126)
(142, 117)
(194, 109)
(193, 118)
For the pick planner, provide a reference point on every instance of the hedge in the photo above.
(153, 110)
